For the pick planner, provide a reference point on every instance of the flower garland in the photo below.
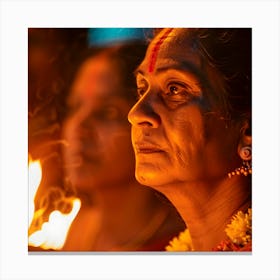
(239, 233)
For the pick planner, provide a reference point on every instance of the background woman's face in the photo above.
(99, 150)
(175, 135)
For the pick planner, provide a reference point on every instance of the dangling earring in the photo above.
(246, 168)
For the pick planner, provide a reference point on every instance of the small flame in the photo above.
(54, 232)
(34, 179)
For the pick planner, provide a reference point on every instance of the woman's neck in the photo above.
(207, 207)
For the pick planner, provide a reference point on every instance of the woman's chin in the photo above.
(150, 179)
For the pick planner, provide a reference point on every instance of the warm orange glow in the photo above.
(34, 179)
(54, 232)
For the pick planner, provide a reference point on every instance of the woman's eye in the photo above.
(141, 91)
(174, 90)
(177, 91)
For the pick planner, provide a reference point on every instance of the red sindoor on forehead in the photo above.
(156, 48)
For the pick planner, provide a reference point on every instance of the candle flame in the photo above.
(53, 233)
(34, 179)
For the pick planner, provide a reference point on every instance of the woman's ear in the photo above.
(245, 140)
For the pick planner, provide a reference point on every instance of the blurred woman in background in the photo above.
(117, 213)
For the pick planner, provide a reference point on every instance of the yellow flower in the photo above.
(239, 232)
(181, 243)
(240, 229)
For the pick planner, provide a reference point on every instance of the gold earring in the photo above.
(246, 168)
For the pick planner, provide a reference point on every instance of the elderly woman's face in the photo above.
(175, 135)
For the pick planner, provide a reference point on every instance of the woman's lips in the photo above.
(146, 148)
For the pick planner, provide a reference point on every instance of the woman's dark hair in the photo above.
(229, 51)
(227, 57)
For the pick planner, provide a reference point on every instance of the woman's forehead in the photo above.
(171, 44)
(180, 51)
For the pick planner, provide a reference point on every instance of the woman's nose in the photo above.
(143, 112)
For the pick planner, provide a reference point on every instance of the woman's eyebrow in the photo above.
(185, 66)
(182, 66)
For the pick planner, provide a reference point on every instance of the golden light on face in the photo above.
(174, 135)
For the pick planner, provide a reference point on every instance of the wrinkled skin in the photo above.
(175, 135)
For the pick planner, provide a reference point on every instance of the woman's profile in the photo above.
(191, 132)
